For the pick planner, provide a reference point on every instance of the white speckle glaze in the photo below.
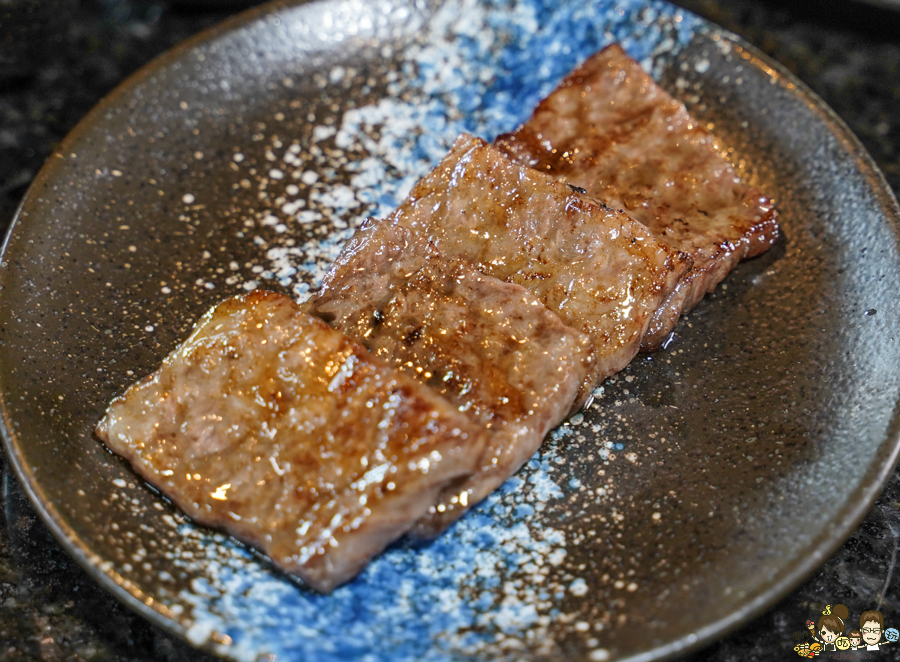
(310, 123)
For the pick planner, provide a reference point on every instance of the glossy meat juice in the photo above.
(599, 270)
(292, 437)
(489, 347)
(610, 129)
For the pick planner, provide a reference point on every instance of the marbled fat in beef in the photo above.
(292, 437)
(601, 271)
(610, 129)
(489, 347)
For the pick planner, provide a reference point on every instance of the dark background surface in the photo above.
(59, 57)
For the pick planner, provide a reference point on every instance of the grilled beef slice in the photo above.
(599, 270)
(292, 437)
(610, 129)
(491, 348)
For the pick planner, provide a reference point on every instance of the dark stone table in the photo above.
(56, 64)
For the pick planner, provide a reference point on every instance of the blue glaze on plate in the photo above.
(497, 584)
(481, 67)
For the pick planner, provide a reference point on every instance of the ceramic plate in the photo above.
(704, 482)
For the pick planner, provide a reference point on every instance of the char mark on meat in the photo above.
(490, 347)
(599, 270)
(610, 129)
(292, 437)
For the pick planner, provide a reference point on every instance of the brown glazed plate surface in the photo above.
(704, 482)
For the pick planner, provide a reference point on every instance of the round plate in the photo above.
(705, 481)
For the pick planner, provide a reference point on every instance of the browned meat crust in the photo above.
(602, 272)
(610, 129)
(506, 289)
(489, 347)
(292, 437)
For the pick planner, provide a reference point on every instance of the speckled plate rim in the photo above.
(64, 534)
(888, 457)
(820, 550)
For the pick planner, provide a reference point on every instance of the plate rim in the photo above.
(855, 510)
(832, 537)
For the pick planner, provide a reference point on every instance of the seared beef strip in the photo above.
(601, 271)
(489, 347)
(292, 437)
(610, 129)
(296, 439)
